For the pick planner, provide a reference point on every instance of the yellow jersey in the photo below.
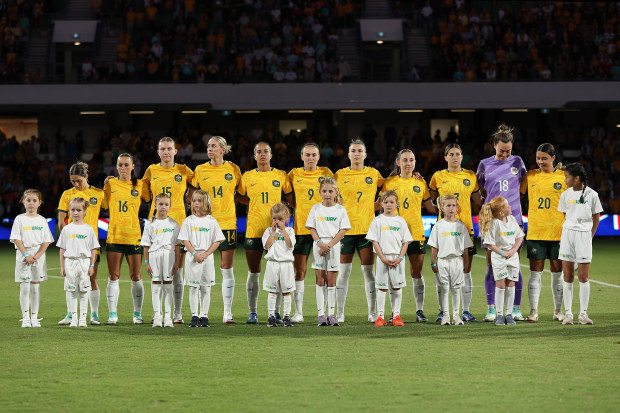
(411, 193)
(544, 221)
(306, 187)
(264, 189)
(124, 201)
(94, 196)
(171, 181)
(461, 184)
(220, 182)
(358, 189)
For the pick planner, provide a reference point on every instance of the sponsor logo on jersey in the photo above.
(576, 201)
(388, 228)
(78, 236)
(163, 230)
(466, 182)
(368, 180)
(200, 229)
(228, 177)
(93, 201)
(33, 228)
(275, 183)
(557, 186)
(328, 219)
(416, 189)
(451, 234)
(178, 178)
(514, 170)
(507, 234)
(134, 192)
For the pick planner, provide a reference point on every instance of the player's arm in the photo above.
(62, 262)
(43, 248)
(62, 217)
(595, 221)
(476, 202)
(287, 238)
(290, 199)
(145, 253)
(379, 252)
(434, 259)
(339, 236)
(430, 207)
(93, 259)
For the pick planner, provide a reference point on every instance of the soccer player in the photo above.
(78, 174)
(582, 209)
(123, 197)
(261, 189)
(501, 175)
(543, 187)
(172, 179)
(412, 193)
(461, 183)
(305, 182)
(359, 186)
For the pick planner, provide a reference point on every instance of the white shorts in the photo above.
(77, 278)
(329, 261)
(450, 272)
(279, 277)
(26, 273)
(576, 246)
(386, 277)
(505, 268)
(199, 274)
(162, 262)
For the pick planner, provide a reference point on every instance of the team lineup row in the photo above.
(218, 184)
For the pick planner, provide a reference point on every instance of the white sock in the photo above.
(228, 289)
(251, 287)
(584, 296)
(325, 291)
(194, 300)
(287, 299)
(444, 291)
(391, 291)
(342, 286)
(456, 302)
(557, 288)
(371, 291)
(381, 303)
(299, 297)
(35, 300)
(418, 292)
(499, 300)
(398, 299)
(278, 302)
(24, 300)
(179, 289)
(331, 300)
(93, 298)
(467, 290)
(271, 304)
(74, 305)
(205, 301)
(168, 293)
(137, 292)
(156, 298)
(510, 299)
(112, 292)
(68, 299)
(83, 305)
(533, 288)
(320, 300)
(568, 297)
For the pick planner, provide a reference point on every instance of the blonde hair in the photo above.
(385, 195)
(331, 181)
(166, 139)
(442, 199)
(357, 141)
(280, 210)
(489, 211)
(157, 198)
(223, 144)
(79, 200)
(206, 202)
(32, 192)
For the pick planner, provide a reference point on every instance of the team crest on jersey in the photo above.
(557, 186)
(368, 180)
(93, 201)
(416, 189)
(228, 177)
(275, 183)
(178, 178)
(134, 192)
(514, 170)
(466, 182)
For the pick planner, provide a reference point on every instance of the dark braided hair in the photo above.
(577, 170)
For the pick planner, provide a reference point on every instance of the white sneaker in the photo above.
(558, 316)
(112, 319)
(34, 322)
(177, 318)
(26, 323)
(297, 318)
(168, 322)
(568, 319)
(82, 322)
(445, 321)
(533, 317)
(74, 322)
(340, 317)
(372, 317)
(65, 321)
(157, 321)
(583, 319)
(228, 319)
(457, 320)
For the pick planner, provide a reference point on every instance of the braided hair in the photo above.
(577, 170)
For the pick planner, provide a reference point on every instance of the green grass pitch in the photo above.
(355, 367)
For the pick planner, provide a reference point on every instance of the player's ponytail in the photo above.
(396, 171)
(503, 134)
(578, 171)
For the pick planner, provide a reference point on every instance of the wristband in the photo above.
(502, 253)
(146, 261)
(433, 265)
(26, 254)
(194, 253)
(92, 265)
(401, 257)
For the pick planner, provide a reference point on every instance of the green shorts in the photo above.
(230, 243)
(303, 244)
(416, 248)
(350, 243)
(541, 250)
(124, 249)
(255, 244)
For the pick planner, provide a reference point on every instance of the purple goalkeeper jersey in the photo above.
(503, 178)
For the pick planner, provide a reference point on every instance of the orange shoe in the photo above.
(397, 321)
(380, 322)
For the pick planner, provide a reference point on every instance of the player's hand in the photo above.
(274, 228)
(175, 268)
(418, 175)
(508, 254)
(200, 257)
(386, 262)
(281, 225)
(397, 261)
(63, 273)
(107, 179)
(149, 269)
(91, 271)
(435, 269)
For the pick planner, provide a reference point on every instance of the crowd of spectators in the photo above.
(43, 163)
(225, 41)
(535, 40)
